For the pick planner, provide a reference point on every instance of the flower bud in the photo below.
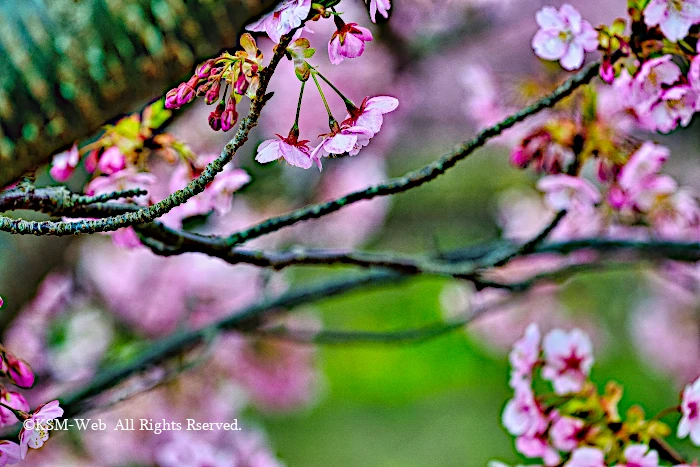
(18, 371)
(215, 117)
(229, 115)
(171, 99)
(213, 93)
(185, 93)
(204, 70)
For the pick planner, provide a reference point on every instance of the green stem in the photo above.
(348, 103)
(301, 94)
(332, 123)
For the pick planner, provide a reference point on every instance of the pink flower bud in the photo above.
(213, 93)
(91, 161)
(215, 118)
(241, 84)
(171, 99)
(204, 70)
(229, 115)
(185, 94)
(111, 161)
(18, 371)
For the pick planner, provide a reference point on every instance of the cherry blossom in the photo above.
(525, 354)
(586, 457)
(649, 82)
(565, 433)
(370, 114)
(674, 17)
(348, 41)
(676, 106)
(63, 164)
(381, 6)
(286, 16)
(690, 408)
(564, 192)
(522, 415)
(568, 359)
(111, 161)
(564, 36)
(345, 139)
(645, 162)
(17, 370)
(9, 453)
(538, 446)
(126, 179)
(33, 435)
(639, 455)
(294, 152)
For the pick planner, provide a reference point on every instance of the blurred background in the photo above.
(78, 305)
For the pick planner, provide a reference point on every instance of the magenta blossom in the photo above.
(568, 360)
(690, 408)
(18, 371)
(522, 415)
(348, 41)
(293, 151)
(567, 192)
(674, 17)
(538, 446)
(63, 164)
(564, 36)
(381, 6)
(35, 433)
(639, 455)
(648, 84)
(587, 457)
(112, 160)
(286, 16)
(9, 453)
(370, 114)
(342, 140)
(645, 162)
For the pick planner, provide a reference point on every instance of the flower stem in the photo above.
(331, 121)
(348, 103)
(301, 94)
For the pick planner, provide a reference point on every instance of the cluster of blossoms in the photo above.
(574, 425)
(14, 407)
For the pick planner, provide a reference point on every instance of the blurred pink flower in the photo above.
(525, 355)
(568, 359)
(111, 160)
(381, 6)
(649, 82)
(565, 433)
(586, 457)
(537, 446)
(125, 238)
(294, 152)
(126, 179)
(564, 36)
(522, 415)
(348, 41)
(9, 453)
(39, 432)
(14, 400)
(690, 408)
(639, 455)
(563, 192)
(63, 164)
(286, 16)
(674, 17)
(645, 162)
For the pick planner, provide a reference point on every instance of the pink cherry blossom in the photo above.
(586, 457)
(644, 163)
(648, 84)
(63, 164)
(694, 76)
(14, 400)
(639, 455)
(522, 415)
(676, 106)
(294, 152)
(9, 453)
(525, 354)
(370, 114)
(381, 6)
(690, 408)
(566, 192)
(565, 433)
(286, 16)
(538, 447)
(568, 359)
(564, 36)
(35, 434)
(112, 160)
(125, 238)
(348, 41)
(674, 17)
(343, 140)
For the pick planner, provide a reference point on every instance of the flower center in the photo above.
(676, 5)
(566, 36)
